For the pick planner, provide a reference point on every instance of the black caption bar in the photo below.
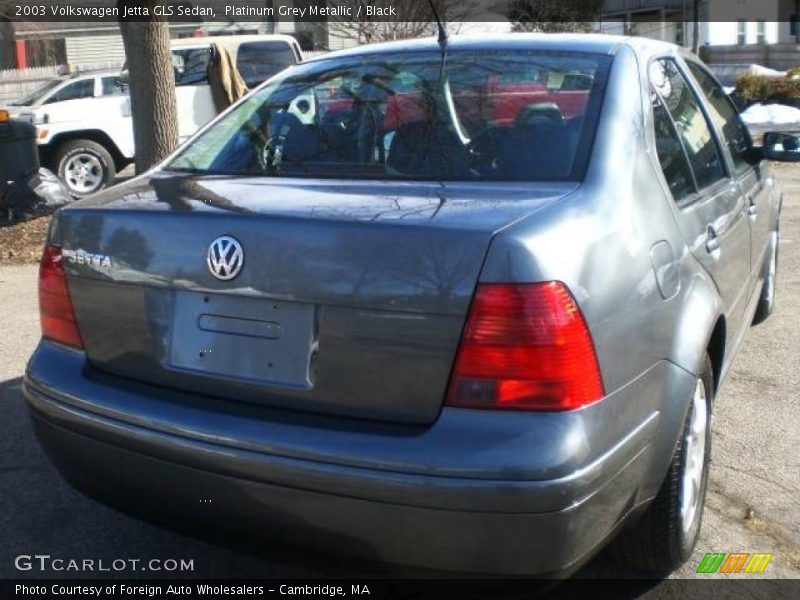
(426, 589)
(200, 11)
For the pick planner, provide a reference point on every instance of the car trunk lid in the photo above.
(350, 301)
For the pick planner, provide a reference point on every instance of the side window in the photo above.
(725, 115)
(670, 151)
(110, 87)
(191, 66)
(74, 91)
(690, 122)
(258, 61)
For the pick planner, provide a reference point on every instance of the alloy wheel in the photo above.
(693, 469)
(84, 173)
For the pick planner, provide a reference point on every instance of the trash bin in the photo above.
(26, 190)
(18, 153)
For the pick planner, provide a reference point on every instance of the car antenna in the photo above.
(442, 37)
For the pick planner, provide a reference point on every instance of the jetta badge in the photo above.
(225, 258)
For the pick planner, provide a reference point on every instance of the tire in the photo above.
(766, 303)
(84, 166)
(665, 535)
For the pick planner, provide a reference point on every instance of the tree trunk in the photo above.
(796, 17)
(696, 32)
(152, 86)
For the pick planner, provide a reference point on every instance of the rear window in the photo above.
(405, 117)
(258, 61)
(191, 65)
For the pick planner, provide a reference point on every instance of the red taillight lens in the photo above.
(525, 347)
(55, 305)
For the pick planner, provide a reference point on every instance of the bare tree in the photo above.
(553, 16)
(152, 85)
(411, 19)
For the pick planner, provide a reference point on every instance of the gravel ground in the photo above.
(21, 244)
(753, 497)
(752, 503)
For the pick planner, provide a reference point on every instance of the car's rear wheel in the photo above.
(766, 303)
(84, 166)
(664, 536)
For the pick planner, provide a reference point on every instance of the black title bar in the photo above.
(221, 11)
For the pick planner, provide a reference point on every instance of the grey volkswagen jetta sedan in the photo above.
(466, 314)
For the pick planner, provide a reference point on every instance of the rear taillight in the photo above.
(525, 347)
(55, 305)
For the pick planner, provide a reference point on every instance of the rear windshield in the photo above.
(258, 61)
(481, 116)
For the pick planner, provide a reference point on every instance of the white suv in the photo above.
(84, 124)
(83, 128)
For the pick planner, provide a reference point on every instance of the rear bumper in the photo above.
(108, 439)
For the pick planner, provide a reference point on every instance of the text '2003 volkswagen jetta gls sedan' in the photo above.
(465, 315)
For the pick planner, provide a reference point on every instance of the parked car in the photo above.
(84, 128)
(257, 58)
(413, 328)
(84, 120)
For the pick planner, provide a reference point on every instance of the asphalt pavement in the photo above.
(752, 503)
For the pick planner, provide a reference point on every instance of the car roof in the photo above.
(68, 77)
(229, 40)
(87, 74)
(595, 43)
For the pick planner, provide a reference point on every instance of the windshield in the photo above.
(38, 93)
(494, 116)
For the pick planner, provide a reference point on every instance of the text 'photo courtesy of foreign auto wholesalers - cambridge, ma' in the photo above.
(428, 299)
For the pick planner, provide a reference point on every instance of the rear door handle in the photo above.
(712, 240)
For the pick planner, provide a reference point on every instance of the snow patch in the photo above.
(771, 114)
(765, 71)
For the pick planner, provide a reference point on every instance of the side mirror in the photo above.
(783, 147)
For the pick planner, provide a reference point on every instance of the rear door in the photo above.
(192, 88)
(750, 177)
(713, 213)
(112, 113)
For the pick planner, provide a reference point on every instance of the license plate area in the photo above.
(248, 339)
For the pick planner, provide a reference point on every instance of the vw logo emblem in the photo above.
(225, 258)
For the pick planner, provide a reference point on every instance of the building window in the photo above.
(680, 33)
(793, 29)
(741, 32)
(761, 32)
(46, 52)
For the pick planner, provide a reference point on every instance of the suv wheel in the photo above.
(766, 304)
(84, 166)
(665, 535)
